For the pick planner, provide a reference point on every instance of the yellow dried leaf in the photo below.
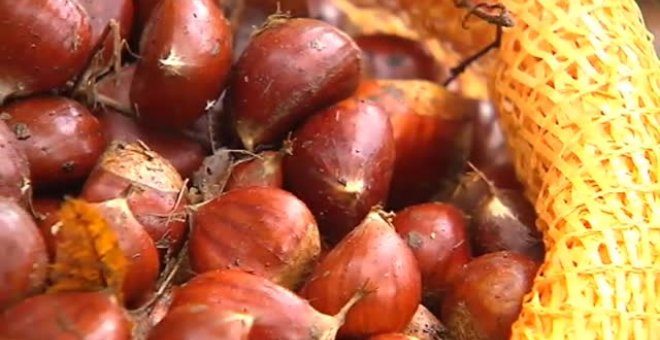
(88, 256)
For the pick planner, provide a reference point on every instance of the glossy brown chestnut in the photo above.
(341, 164)
(44, 44)
(14, 167)
(183, 153)
(151, 185)
(488, 298)
(185, 56)
(202, 322)
(263, 170)
(60, 137)
(24, 257)
(438, 237)
(101, 12)
(278, 313)
(264, 231)
(371, 257)
(67, 315)
(290, 69)
(138, 248)
(431, 129)
(389, 56)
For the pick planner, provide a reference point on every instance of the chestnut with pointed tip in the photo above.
(372, 257)
(60, 137)
(67, 315)
(278, 312)
(290, 69)
(185, 57)
(44, 45)
(14, 167)
(265, 231)
(341, 164)
(24, 256)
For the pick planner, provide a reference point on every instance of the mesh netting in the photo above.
(578, 89)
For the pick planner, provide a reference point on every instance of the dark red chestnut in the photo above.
(45, 44)
(24, 257)
(341, 164)
(290, 69)
(374, 258)
(278, 312)
(185, 56)
(486, 300)
(61, 138)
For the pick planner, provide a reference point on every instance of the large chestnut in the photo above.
(185, 56)
(373, 258)
(278, 312)
(341, 164)
(290, 69)
(44, 44)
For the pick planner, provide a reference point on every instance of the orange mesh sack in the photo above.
(577, 85)
(578, 90)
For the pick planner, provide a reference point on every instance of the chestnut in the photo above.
(290, 69)
(14, 167)
(60, 137)
(44, 45)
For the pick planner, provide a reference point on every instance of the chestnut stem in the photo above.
(502, 19)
